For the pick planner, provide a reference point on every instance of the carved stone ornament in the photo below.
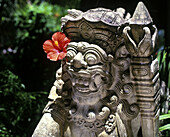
(109, 85)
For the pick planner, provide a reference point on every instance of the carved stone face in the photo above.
(89, 70)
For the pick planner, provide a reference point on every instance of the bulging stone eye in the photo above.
(91, 59)
(71, 53)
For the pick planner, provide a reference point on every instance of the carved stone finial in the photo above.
(141, 15)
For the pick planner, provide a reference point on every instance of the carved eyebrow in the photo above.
(96, 48)
(72, 44)
(85, 48)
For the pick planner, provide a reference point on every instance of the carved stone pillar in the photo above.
(145, 78)
(140, 37)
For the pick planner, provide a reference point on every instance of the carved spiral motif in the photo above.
(80, 122)
(71, 54)
(114, 99)
(129, 111)
(97, 125)
(110, 124)
(113, 102)
(127, 88)
(91, 59)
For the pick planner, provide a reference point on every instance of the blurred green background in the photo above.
(26, 75)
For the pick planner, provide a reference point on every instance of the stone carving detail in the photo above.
(109, 83)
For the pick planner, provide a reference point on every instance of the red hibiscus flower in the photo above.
(56, 48)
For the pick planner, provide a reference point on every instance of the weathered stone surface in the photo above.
(109, 85)
(47, 127)
(141, 15)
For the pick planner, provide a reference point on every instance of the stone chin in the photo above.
(90, 98)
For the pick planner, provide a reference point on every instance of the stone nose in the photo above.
(78, 61)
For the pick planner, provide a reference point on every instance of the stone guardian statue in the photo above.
(108, 84)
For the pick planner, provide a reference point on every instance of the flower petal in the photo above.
(65, 42)
(58, 36)
(52, 56)
(61, 38)
(48, 46)
(61, 55)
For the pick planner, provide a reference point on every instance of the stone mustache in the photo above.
(109, 85)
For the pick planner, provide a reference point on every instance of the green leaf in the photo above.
(159, 56)
(169, 81)
(165, 116)
(164, 56)
(164, 127)
(168, 111)
(32, 97)
(2, 109)
(23, 86)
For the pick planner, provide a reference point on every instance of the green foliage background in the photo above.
(18, 107)
(24, 26)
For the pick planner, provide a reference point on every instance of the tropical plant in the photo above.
(165, 124)
(17, 107)
(164, 65)
(163, 57)
(24, 26)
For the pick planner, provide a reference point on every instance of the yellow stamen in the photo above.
(56, 43)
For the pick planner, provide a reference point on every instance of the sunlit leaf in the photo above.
(159, 56)
(164, 56)
(32, 97)
(164, 127)
(2, 109)
(164, 116)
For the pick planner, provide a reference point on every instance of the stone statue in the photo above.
(109, 85)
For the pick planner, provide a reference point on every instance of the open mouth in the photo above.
(86, 85)
(88, 80)
(82, 84)
(82, 89)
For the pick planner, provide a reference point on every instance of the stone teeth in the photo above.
(81, 81)
(97, 80)
(92, 86)
(73, 81)
(77, 81)
(86, 83)
(82, 89)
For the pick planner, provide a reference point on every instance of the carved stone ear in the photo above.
(141, 15)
